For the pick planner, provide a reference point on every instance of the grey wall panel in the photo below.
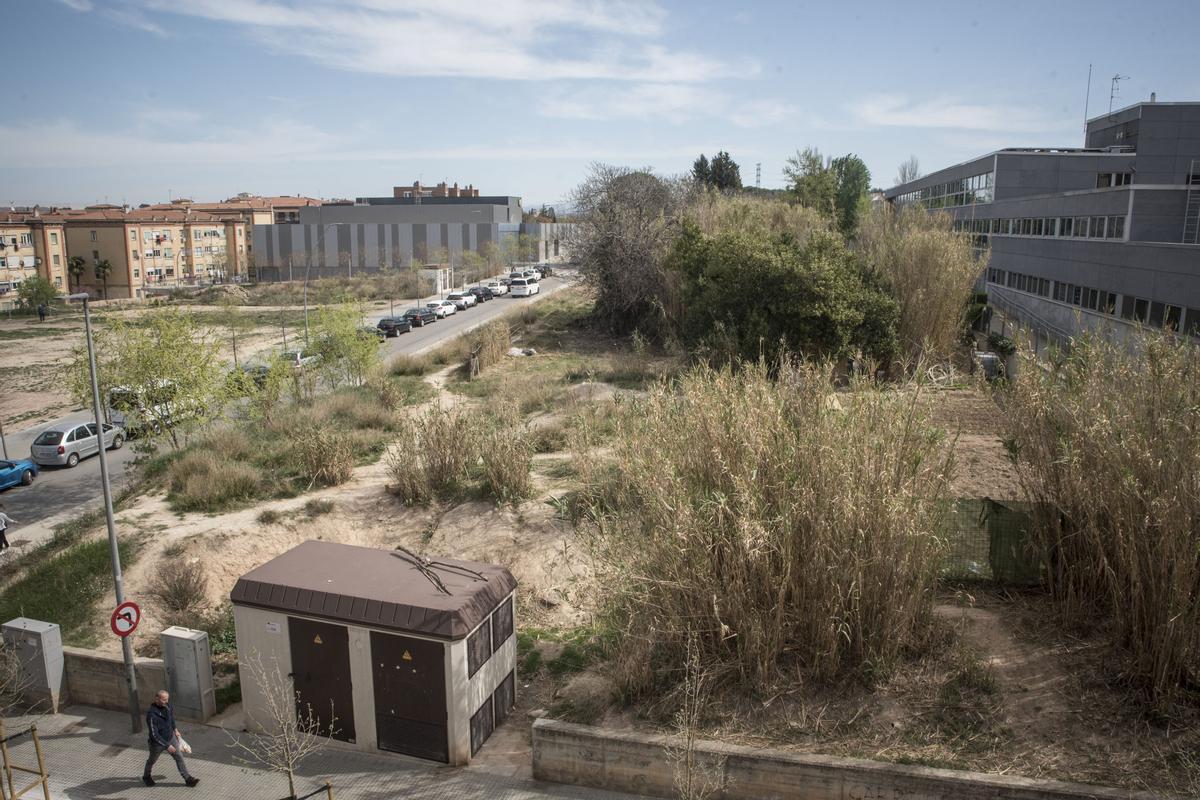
(443, 237)
(344, 246)
(285, 245)
(420, 243)
(406, 244)
(381, 252)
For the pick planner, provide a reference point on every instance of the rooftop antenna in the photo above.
(1116, 89)
(758, 175)
(1087, 100)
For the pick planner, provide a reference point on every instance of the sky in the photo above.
(146, 100)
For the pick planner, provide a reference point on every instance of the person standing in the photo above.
(5, 521)
(160, 724)
(41, 312)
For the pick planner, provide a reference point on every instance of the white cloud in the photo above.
(133, 18)
(897, 110)
(672, 102)
(501, 39)
(78, 5)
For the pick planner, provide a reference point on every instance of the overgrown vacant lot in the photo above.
(981, 677)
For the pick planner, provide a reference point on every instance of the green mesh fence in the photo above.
(989, 540)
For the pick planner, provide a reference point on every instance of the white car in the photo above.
(497, 288)
(463, 300)
(520, 287)
(442, 308)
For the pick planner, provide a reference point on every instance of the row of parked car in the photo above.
(522, 283)
(60, 445)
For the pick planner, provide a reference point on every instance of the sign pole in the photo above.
(126, 646)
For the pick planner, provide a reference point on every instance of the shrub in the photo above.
(1107, 442)
(325, 458)
(315, 507)
(269, 517)
(491, 342)
(180, 590)
(791, 526)
(1001, 344)
(410, 365)
(507, 457)
(202, 480)
(432, 455)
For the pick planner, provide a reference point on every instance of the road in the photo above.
(60, 493)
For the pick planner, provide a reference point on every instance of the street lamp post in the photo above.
(114, 553)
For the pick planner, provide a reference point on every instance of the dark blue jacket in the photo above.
(160, 724)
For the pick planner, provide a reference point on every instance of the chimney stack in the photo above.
(1154, 97)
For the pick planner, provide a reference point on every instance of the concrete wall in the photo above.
(96, 679)
(263, 634)
(637, 763)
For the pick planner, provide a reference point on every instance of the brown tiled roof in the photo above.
(152, 214)
(376, 589)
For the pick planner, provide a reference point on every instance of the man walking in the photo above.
(160, 723)
(41, 312)
(5, 521)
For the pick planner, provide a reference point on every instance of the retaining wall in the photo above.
(96, 679)
(639, 763)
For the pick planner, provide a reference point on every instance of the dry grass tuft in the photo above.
(324, 456)
(204, 480)
(791, 528)
(1108, 446)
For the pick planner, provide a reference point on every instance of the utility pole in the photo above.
(135, 715)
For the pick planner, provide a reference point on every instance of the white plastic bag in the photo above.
(184, 747)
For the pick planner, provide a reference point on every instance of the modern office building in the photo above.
(414, 225)
(1104, 236)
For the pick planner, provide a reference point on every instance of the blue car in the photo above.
(14, 472)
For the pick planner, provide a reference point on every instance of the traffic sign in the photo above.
(126, 618)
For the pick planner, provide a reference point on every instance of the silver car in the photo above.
(68, 442)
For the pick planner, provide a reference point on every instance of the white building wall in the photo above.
(263, 635)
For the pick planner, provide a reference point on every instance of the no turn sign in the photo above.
(126, 618)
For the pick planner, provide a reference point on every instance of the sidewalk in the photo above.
(90, 753)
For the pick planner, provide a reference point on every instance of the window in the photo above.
(136, 273)
(479, 648)
(504, 698)
(1064, 226)
(1081, 226)
(95, 255)
(1116, 227)
(482, 725)
(53, 238)
(1192, 324)
(135, 255)
(1172, 318)
(93, 236)
(502, 624)
(1076, 295)
(168, 252)
(55, 259)
(1141, 309)
(58, 282)
(1157, 311)
(133, 235)
(1096, 231)
(1127, 310)
(157, 253)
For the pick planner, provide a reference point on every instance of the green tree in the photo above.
(811, 181)
(166, 363)
(724, 173)
(103, 270)
(35, 291)
(347, 353)
(701, 172)
(747, 296)
(75, 267)
(852, 180)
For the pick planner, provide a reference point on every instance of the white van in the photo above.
(520, 287)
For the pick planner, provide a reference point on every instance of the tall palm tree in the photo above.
(75, 267)
(103, 270)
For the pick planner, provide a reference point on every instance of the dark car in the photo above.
(482, 292)
(394, 326)
(420, 317)
(372, 334)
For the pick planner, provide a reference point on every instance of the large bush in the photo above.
(790, 528)
(1108, 445)
(750, 294)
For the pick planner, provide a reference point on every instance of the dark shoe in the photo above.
(192, 781)
(146, 779)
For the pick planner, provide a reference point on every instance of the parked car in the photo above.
(524, 288)
(394, 326)
(138, 410)
(537, 273)
(482, 292)
(497, 288)
(531, 275)
(442, 308)
(372, 333)
(22, 472)
(463, 300)
(300, 359)
(68, 442)
(504, 281)
(420, 317)
(512, 276)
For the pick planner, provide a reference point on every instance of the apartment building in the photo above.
(30, 245)
(149, 249)
(1099, 237)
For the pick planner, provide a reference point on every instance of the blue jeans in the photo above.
(157, 750)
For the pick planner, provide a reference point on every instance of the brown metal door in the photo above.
(321, 674)
(410, 695)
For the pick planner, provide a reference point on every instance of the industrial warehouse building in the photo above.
(392, 651)
(1099, 237)
(413, 226)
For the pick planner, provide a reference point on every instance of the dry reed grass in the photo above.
(1108, 445)
(791, 528)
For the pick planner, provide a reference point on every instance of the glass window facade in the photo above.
(960, 192)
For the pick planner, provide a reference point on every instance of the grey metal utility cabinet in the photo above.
(188, 663)
(38, 646)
